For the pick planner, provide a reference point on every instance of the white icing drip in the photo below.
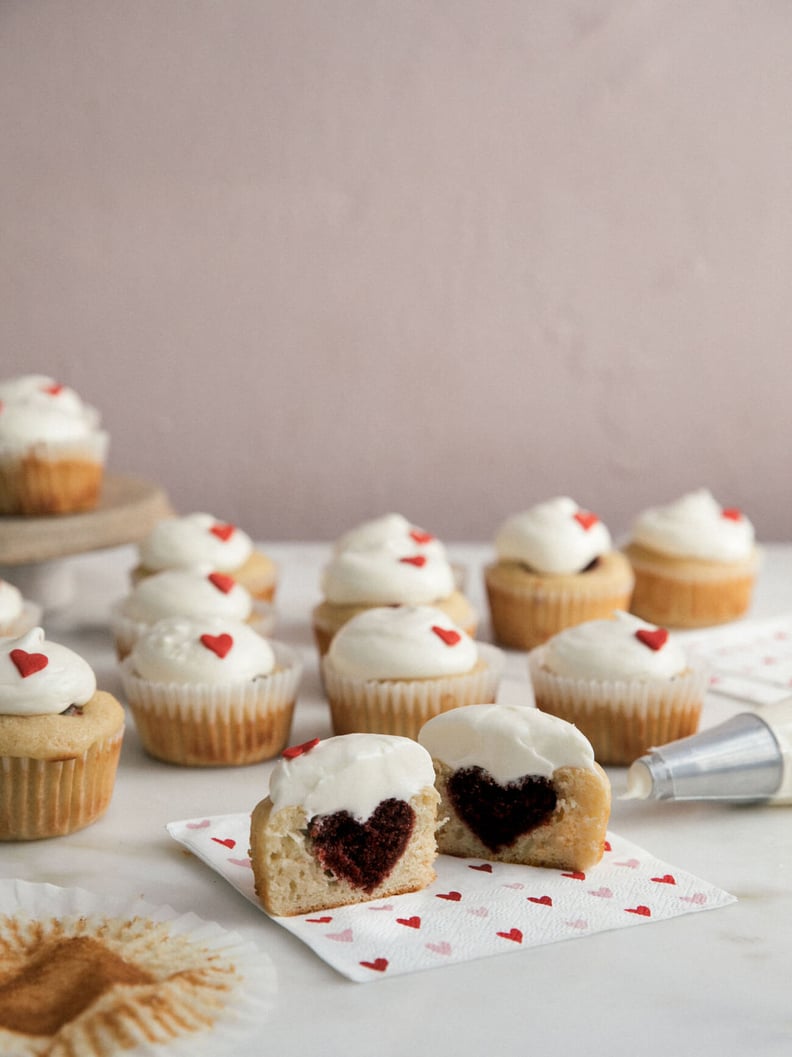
(609, 649)
(65, 680)
(695, 527)
(183, 541)
(387, 574)
(185, 592)
(171, 651)
(351, 772)
(549, 539)
(508, 741)
(400, 643)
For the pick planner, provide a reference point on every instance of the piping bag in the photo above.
(747, 758)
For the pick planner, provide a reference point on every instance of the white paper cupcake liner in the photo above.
(126, 631)
(402, 706)
(219, 1006)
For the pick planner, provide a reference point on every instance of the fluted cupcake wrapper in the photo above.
(53, 478)
(126, 631)
(402, 706)
(216, 725)
(622, 718)
(49, 798)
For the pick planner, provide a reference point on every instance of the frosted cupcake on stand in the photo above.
(17, 614)
(202, 539)
(695, 562)
(556, 567)
(52, 449)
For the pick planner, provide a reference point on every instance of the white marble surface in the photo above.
(710, 983)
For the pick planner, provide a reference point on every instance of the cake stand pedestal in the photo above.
(33, 550)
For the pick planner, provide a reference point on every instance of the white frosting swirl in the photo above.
(401, 642)
(195, 539)
(351, 772)
(389, 529)
(34, 407)
(386, 575)
(508, 741)
(63, 679)
(611, 650)
(695, 526)
(187, 592)
(177, 650)
(11, 603)
(556, 537)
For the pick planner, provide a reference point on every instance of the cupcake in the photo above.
(210, 691)
(387, 530)
(17, 614)
(694, 561)
(190, 592)
(52, 451)
(202, 539)
(347, 820)
(60, 739)
(390, 669)
(555, 567)
(396, 572)
(623, 682)
(517, 785)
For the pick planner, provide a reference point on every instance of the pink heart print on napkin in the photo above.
(750, 660)
(474, 909)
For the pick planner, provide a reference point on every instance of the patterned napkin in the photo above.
(751, 660)
(474, 909)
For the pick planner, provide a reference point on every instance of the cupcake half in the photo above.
(623, 682)
(556, 567)
(202, 539)
(52, 451)
(390, 669)
(517, 785)
(694, 561)
(210, 692)
(60, 740)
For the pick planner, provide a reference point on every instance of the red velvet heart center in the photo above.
(732, 513)
(448, 635)
(499, 814)
(421, 537)
(219, 644)
(28, 663)
(417, 559)
(299, 750)
(654, 638)
(363, 853)
(585, 519)
(222, 581)
(223, 532)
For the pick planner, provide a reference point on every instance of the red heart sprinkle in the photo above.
(227, 842)
(576, 875)
(642, 911)
(223, 532)
(453, 897)
(544, 901)
(28, 663)
(222, 581)
(654, 639)
(585, 519)
(298, 750)
(512, 934)
(219, 644)
(53, 389)
(666, 879)
(421, 537)
(379, 965)
(449, 637)
(418, 560)
(411, 923)
(732, 513)
(485, 867)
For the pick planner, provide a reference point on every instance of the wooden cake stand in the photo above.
(32, 549)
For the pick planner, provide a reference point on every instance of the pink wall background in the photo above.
(319, 260)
